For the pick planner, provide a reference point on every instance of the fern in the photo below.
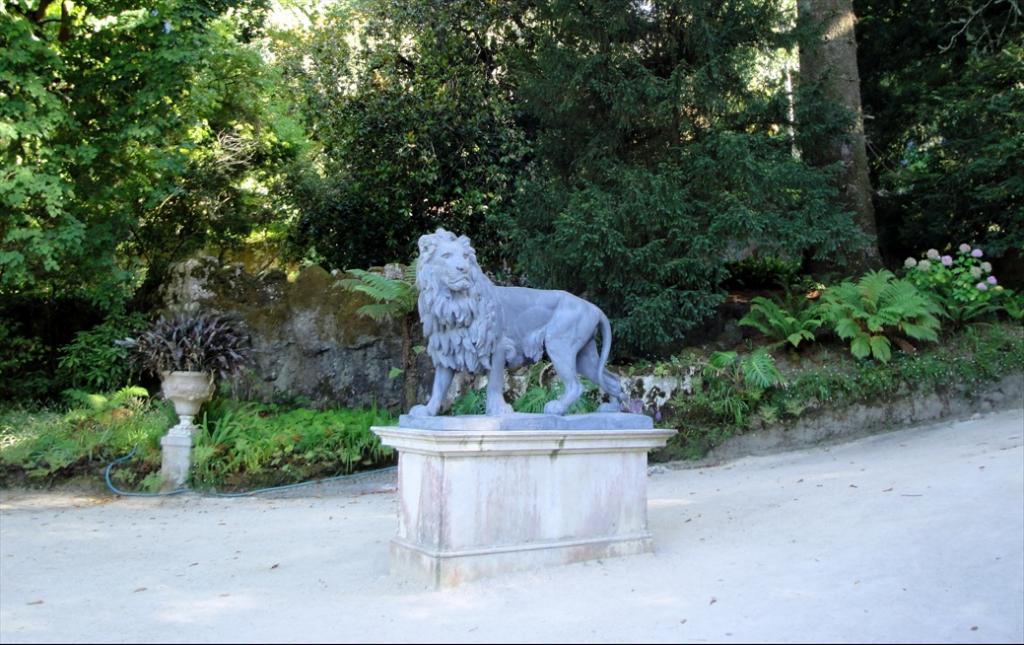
(732, 386)
(393, 298)
(792, 321)
(876, 310)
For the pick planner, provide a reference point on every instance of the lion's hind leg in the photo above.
(564, 361)
(588, 363)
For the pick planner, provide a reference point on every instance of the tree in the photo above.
(828, 59)
(409, 107)
(131, 135)
(944, 81)
(661, 152)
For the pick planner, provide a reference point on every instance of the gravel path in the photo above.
(911, 536)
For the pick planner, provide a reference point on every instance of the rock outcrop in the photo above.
(309, 342)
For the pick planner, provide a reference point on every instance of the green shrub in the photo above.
(249, 445)
(20, 358)
(729, 395)
(792, 321)
(472, 401)
(875, 310)
(534, 397)
(763, 272)
(43, 447)
(963, 285)
(93, 360)
(973, 358)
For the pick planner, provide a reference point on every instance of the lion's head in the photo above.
(456, 303)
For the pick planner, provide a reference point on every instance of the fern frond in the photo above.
(871, 287)
(393, 298)
(719, 361)
(378, 311)
(861, 345)
(880, 348)
(759, 370)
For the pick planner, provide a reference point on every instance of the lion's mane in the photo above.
(460, 328)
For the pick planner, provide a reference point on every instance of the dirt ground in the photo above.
(910, 536)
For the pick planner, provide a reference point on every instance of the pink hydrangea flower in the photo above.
(965, 248)
(947, 260)
(982, 286)
(992, 280)
(976, 253)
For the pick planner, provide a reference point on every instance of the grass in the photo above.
(240, 446)
(43, 447)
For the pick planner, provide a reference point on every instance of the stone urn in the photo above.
(188, 391)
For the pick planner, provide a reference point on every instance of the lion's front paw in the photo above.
(420, 411)
(554, 407)
(499, 409)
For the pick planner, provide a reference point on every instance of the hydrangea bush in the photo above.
(963, 284)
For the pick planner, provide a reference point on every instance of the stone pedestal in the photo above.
(479, 496)
(176, 456)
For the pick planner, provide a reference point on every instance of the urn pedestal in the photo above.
(480, 496)
(188, 391)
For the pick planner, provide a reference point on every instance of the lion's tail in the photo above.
(606, 342)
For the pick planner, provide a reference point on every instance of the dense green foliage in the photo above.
(407, 106)
(829, 381)
(943, 83)
(661, 153)
(640, 154)
(733, 386)
(131, 135)
(95, 361)
(240, 445)
(250, 445)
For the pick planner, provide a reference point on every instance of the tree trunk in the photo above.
(829, 57)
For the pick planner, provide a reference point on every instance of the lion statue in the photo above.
(472, 325)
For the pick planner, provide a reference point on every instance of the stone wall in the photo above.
(308, 341)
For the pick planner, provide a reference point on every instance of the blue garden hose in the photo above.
(118, 491)
(124, 493)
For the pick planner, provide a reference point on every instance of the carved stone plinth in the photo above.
(478, 497)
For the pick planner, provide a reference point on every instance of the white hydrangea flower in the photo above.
(933, 254)
(965, 248)
(986, 267)
(924, 265)
(910, 263)
(976, 272)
